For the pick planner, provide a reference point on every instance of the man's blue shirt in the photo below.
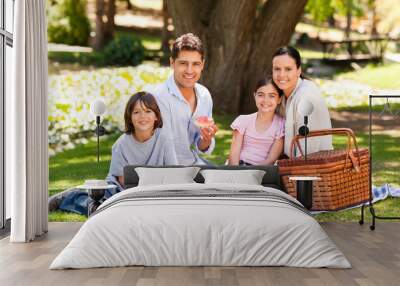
(179, 120)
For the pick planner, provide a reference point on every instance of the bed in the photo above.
(201, 224)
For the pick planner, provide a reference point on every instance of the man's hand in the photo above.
(206, 134)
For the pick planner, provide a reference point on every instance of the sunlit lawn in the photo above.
(376, 76)
(72, 167)
(389, 207)
(310, 54)
(377, 108)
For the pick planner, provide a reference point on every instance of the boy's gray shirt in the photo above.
(158, 150)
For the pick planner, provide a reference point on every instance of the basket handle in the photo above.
(351, 140)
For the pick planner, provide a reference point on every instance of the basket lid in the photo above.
(320, 157)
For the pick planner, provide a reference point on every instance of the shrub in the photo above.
(124, 50)
(67, 22)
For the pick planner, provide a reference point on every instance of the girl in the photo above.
(258, 137)
(143, 143)
(287, 75)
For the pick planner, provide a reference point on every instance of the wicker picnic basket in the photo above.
(344, 173)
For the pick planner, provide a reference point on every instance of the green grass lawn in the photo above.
(310, 54)
(72, 167)
(378, 108)
(376, 76)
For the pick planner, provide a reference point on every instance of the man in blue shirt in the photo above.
(182, 100)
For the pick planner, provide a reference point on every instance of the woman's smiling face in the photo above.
(285, 73)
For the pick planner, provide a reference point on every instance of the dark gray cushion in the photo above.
(270, 179)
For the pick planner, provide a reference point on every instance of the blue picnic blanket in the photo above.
(384, 191)
(76, 200)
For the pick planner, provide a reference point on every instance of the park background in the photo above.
(110, 49)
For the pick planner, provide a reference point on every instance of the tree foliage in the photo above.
(67, 22)
(321, 10)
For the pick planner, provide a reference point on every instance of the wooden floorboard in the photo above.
(374, 255)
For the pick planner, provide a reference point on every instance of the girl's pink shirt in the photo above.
(256, 146)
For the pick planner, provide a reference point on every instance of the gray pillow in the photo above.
(249, 177)
(163, 176)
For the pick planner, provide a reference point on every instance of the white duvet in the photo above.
(201, 224)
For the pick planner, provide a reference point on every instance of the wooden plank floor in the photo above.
(374, 255)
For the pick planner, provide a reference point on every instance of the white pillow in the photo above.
(249, 177)
(164, 176)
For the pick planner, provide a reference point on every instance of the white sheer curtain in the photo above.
(26, 119)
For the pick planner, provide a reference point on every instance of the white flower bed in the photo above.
(70, 96)
(345, 92)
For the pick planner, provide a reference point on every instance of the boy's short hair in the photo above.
(187, 42)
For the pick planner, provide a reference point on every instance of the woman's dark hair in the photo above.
(291, 52)
(266, 81)
(148, 100)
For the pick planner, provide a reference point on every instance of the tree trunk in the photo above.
(374, 18)
(349, 13)
(239, 38)
(331, 21)
(129, 5)
(99, 39)
(165, 36)
(110, 25)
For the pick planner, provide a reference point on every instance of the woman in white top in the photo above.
(287, 74)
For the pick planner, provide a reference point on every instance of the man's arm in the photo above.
(206, 142)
